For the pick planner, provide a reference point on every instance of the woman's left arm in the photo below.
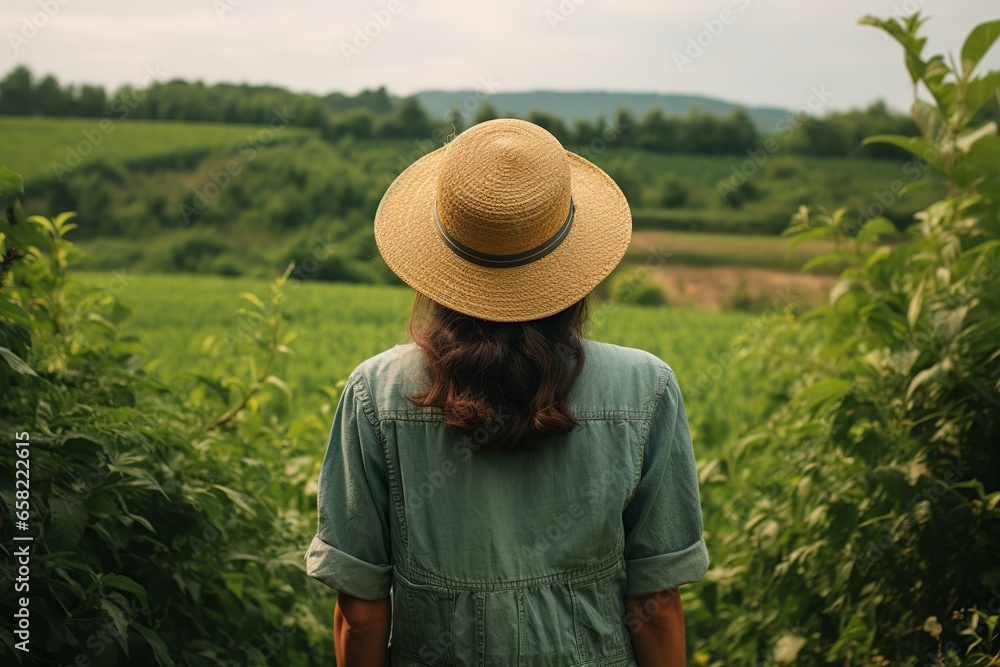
(361, 631)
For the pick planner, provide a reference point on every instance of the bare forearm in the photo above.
(656, 624)
(361, 636)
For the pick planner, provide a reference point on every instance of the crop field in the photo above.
(32, 145)
(339, 325)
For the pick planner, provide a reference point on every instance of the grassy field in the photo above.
(339, 325)
(32, 145)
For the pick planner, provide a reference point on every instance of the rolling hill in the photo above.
(573, 105)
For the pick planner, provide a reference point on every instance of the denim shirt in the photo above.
(510, 558)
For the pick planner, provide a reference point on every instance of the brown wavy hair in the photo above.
(502, 383)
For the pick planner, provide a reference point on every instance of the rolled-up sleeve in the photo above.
(664, 546)
(351, 549)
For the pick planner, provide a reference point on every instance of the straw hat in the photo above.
(503, 223)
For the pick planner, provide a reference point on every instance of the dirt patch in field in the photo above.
(745, 288)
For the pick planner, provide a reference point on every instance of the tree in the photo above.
(49, 99)
(554, 124)
(408, 120)
(485, 112)
(625, 128)
(738, 133)
(16, 93)
(657, 132)
(92, 102)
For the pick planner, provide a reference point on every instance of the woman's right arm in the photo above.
(656, 623)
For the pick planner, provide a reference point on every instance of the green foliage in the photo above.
(635, 287)
(672, 193)
(861, 523)
(167, 528)
(21, 94)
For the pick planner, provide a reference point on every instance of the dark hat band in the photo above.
(506, 261)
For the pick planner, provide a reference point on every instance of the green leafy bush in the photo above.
(861, 523)
(634, 286)
(167, 525)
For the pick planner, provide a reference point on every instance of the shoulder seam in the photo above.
(360, 382)
(661, 389)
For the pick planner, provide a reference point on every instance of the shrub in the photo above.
(861, 523)
(672, 193)
(154, 541)
(635, 287)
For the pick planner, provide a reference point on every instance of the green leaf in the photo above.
(822, 260)
(11, 186)
(234, 582)
(928, 118)
(875, 228)
(977, 44)
(978, 92)
(916, 303)
(842, 287)
(818, 233)
(14, 312)
(60, 221)
(922, 377)
(982, 159)
(119, 621)
(916, 185)
(275, 381)
(16, 363)
(67, 521)
(906, 36)
(822, 392)
(935, 78)
(129, 585)
(917, 146)
(235, 497)
(160, 652)
(254, 299)
(965, 141)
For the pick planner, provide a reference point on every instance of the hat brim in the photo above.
(409, 242)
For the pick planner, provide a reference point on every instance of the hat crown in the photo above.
(504, 187)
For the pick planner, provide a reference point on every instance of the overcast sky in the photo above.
(755, 52)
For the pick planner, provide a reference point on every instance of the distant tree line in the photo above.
(375, 114)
